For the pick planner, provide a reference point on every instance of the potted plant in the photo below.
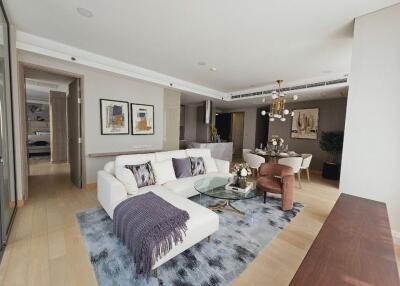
(332, 142)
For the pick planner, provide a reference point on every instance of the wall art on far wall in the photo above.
(114, 116)
(142, 119)
(305, 123)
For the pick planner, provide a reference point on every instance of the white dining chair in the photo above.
(254, 161)
(306, 164)
(245, 151)
(295, 163)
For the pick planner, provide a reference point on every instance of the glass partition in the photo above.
(7, 180)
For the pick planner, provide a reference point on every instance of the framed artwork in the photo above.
(305, 123)
(142, 116)
(114, 117)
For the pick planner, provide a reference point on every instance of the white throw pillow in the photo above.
(109, 167)
(210, 165)
(127, 179)
(164, 171)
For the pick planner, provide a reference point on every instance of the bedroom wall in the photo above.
(97, 84)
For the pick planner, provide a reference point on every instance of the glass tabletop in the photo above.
(215, 187)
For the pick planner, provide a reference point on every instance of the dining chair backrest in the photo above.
(294, 162)
(306, 160)
(246, 151)
(253, 160)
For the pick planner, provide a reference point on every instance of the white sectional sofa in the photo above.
(202, 222)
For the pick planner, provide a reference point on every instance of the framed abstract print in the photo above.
(114, 116)
(142, 116)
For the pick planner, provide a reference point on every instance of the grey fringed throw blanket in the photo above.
(149, 226)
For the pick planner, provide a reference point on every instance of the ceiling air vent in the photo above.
(291, 88)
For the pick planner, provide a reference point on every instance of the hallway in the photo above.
(45, 246)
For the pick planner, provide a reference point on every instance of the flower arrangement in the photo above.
(242, 170)
(276, 141)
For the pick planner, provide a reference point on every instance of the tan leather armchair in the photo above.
(277, 179)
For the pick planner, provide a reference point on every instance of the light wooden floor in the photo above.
(46, 248)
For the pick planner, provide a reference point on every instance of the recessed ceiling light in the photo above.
(84, 12)
(201, 63)
(213, 69)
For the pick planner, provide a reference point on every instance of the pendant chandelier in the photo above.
(278, 110)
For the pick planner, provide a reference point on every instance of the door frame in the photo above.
(23, 123)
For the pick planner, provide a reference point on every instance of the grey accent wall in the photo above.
(190, 122)
(332, 115)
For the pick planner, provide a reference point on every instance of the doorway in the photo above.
(53, 128)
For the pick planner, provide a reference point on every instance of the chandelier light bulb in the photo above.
(283, 119)
(286, 111)
(272, 119)
(295, 97)
(274, 96)
(276, 115)
(263, 112)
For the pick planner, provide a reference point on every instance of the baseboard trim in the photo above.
(91, 186)
(396, 237)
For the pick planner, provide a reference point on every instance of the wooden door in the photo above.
(74, 133)
(58, 127)
(237, 132)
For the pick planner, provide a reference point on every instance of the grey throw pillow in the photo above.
(182, 167)
(143, 174)
(198, 167)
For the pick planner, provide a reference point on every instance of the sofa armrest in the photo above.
(110, 191)
(222, 166)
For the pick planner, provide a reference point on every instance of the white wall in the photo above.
(370, 165)
(99, 84)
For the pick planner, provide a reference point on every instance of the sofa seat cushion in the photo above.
(185, 186)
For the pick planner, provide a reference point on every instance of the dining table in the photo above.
(273, 157)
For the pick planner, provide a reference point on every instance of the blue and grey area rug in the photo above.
(237, 242)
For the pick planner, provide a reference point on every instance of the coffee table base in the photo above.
(225, 206)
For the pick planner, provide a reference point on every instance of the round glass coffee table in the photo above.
(215, 187)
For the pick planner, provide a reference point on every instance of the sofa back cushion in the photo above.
(143, 173)
(197, 152)
(164, 171)
(161, 156)
(182, 167)
(210, 165)
(109, 167)
(125, 176)
(135, 159)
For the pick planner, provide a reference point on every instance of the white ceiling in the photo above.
(252, 42)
